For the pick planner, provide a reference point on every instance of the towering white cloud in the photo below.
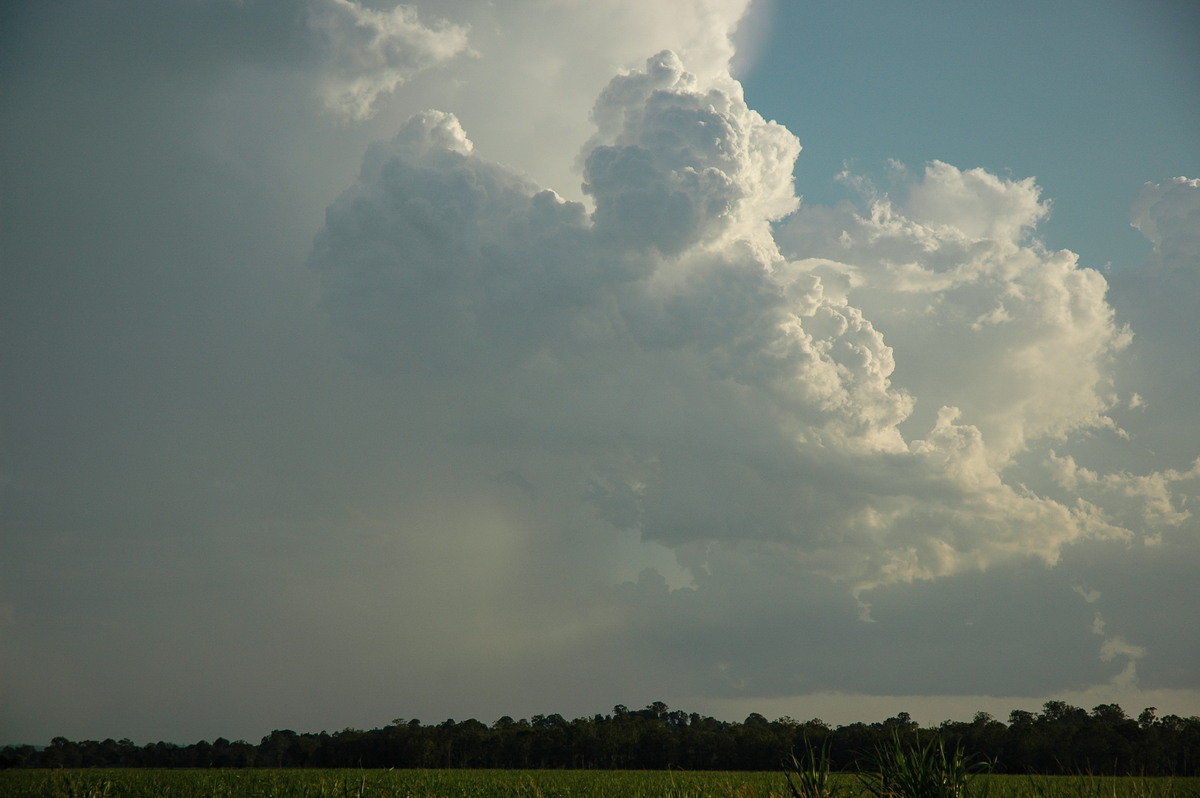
(676, 164)
(860, 405)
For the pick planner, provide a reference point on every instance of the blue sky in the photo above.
(467, 359)
(1092, 99)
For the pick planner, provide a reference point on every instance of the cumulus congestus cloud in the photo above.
(863, 393)
(594, 408)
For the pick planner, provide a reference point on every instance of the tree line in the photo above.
(1059, 739)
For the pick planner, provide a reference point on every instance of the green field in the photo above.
(520, 784)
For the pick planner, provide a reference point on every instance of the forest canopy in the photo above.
(1059, 739)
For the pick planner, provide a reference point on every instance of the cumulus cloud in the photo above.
(856, 391)
(1017, 338)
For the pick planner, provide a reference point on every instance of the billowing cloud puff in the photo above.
(1016, 338)
(672, 165)
(371, 52)
(974, 204)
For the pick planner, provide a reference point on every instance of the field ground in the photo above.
(135, 783)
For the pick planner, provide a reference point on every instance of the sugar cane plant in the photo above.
(808, 776)
(927, 770)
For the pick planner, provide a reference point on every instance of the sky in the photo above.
(465, 359)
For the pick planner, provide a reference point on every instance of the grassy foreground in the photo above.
(134, 783)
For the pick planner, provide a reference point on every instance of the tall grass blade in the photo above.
(809, 777)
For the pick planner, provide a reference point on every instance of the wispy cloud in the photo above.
(370, 52)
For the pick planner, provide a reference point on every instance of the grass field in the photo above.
(520, 784)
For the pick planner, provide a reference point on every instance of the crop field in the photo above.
(135, 783)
